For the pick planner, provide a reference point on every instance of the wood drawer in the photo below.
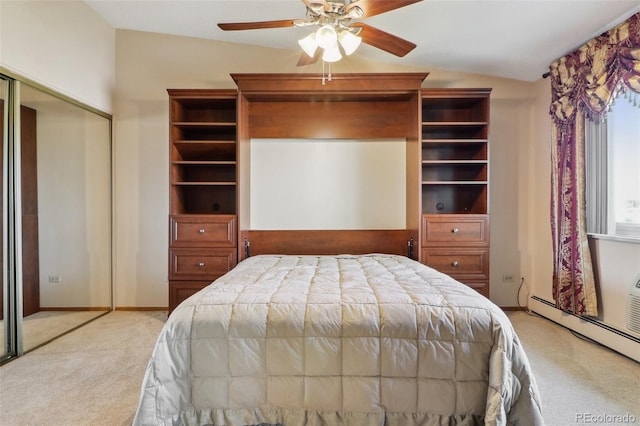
(480, 286)
(180, 290)
(456, 229)
(459, 263)
(202, 230)
(200, 263)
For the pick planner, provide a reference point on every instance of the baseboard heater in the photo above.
(590, 320)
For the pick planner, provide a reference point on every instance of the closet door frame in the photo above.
(11, 224)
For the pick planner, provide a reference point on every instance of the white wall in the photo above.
(148, 64)
(67, 47)
(63, 45)
(37, 41)
(534, 221)
(617, 266)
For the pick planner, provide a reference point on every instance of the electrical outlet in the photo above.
(507, 278)
(55, 279)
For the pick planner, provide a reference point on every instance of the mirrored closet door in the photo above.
(7, 331)
(60, 212)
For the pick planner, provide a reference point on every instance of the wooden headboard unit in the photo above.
(349, 106)
(327, 242)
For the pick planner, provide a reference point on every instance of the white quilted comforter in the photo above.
(344, 340)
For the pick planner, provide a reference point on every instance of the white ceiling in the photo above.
(505, 38)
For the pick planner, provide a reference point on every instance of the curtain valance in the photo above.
(588, 78)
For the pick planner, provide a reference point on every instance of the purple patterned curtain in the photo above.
(583, 85)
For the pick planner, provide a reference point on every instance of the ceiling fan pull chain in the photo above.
(323, 81)
(328, 74)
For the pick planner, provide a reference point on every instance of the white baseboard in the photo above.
(617, 340)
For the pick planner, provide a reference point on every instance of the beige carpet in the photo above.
(46, 325)
(580, 382)
(92, 376)
(43, 326)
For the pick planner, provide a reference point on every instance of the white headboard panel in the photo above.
(328, 184)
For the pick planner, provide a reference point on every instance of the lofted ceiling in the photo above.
(515, 39)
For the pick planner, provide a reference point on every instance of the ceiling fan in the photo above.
(339, 28)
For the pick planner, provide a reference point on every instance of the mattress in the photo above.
(337, 340)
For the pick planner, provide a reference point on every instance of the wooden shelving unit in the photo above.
(455, 183)
(447, 141)
(203, 182)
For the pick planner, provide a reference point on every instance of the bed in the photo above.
(370, 339)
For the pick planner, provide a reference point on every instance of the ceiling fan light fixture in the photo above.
(336, 34)
(349, 41)
(309, 44)
(326, 37)
(332, 54)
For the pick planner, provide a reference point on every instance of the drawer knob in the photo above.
(201, 264)
(201, 231)
(455, 230)
(455, 263)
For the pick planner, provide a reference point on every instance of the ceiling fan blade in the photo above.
(307, 60)
(235, 26)
(376, 7)
(383, 40)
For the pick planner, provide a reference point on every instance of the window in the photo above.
(613, 172)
